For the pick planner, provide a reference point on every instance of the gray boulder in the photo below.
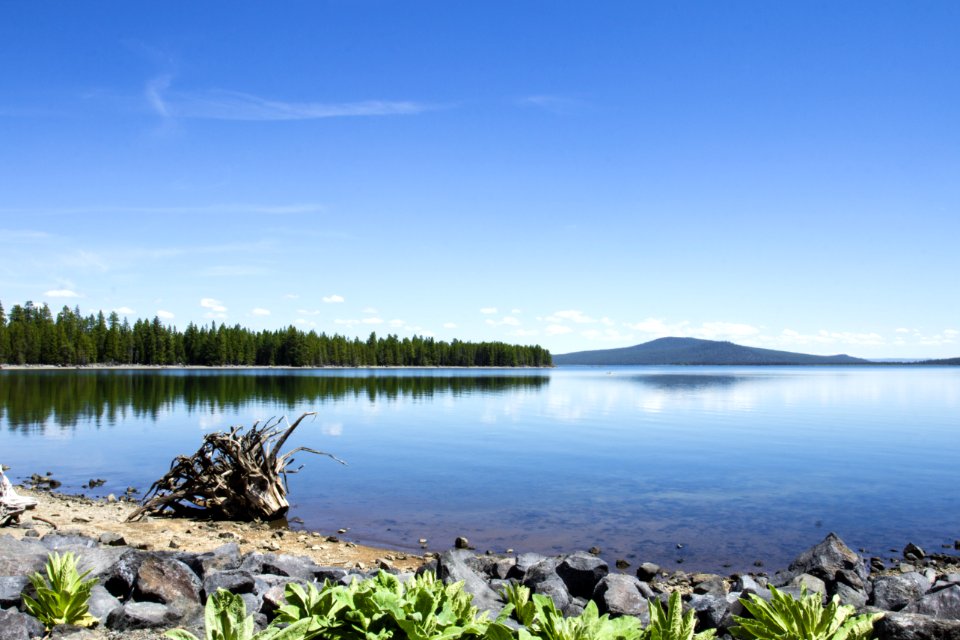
(452, 567)
(21, 557)
(524, 562)
(715, 612)
(101, 602)
(167, 581)
(894, 592)
(18, 626)
(915, 626)
(581, 572)
(826, 559)
(851, 596)
(811, 583)
(233, 581)
(647, 571)
(619, 594)
(67, 542)
(288, 565)
(120, 577)
(142, 615)
(543, 578)
(10, 589)
(943, 604)
(226, 557)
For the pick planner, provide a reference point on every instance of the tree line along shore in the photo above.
(31, 335)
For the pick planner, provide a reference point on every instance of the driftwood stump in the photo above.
(235, 475)
(11, 503)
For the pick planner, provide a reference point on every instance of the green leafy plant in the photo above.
(380, 608)
(225, 618)
(787, 618)
(63, 596)
(544, 621)
(673, 624)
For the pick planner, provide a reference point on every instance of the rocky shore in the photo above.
(146, 585)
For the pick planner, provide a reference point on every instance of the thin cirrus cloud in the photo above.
(258, 311)
(332, 299)
(165, 315)
(124, 310)
(218, 104)
(61, 293)
(213, 305)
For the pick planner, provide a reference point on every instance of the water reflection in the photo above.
(31, 399)
(691, 382)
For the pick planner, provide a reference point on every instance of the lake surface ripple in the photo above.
(735, 464)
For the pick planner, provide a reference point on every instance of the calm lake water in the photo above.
(734, 463)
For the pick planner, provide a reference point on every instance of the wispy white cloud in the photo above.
(509, 321)
(213, 304)
(165, 315)
(373, 320)
(332, 299)
(62, 293)
(557, 329)
(488, 310)
(232, 271)
(657, 328)
(259, 311)
(397, 322)
(309, 312)
(371, 310)
(553, 103)
(449, 325)
(124, 310)
(216, 208)
(572, 315)
(218, 104)
(520, 333)
(291, 296)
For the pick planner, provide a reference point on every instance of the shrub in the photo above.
(787, 618)
(63, 597)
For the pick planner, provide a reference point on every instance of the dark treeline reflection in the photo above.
(31, 399)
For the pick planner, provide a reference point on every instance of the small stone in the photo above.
(509, 551)
(79, 520)
(647, 571)
(956, 545)
(913, 552)
(341, 531)
(31, 533)
(461, 543)
(112, 538)
(758, 563)
(595, 551)
(384, 564)
(361, 566)
(332, 539)
(622, 564)
(350, 545)
(679, 546)
(174, 544)
(111, 497)
(422, 541)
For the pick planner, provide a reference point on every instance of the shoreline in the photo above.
(93, 517)
(237, 367)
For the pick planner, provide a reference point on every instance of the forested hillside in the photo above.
(31, 335)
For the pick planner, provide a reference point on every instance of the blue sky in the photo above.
(575, 174)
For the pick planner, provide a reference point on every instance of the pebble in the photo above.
(461, 543)
(422, 541)
(341, 531)
(595, 551)
(622, 564)
(111, 498)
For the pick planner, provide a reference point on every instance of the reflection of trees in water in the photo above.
(692, 382)
(30, 399)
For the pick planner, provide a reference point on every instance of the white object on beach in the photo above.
(11, 503)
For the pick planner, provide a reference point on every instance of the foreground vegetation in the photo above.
(424, 608)
(31, 335)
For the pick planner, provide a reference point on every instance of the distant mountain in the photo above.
(695, 351)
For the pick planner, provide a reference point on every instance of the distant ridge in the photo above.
(696, 351)
(942, 361)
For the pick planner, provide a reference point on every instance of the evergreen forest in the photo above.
(30, 334)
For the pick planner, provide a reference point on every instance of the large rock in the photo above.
(827, 559)
(288, 565)
(543, 578)
(715, 611)
(120, 577)
(915, 626)
(620, 594)
(21, 557)
(224, 558)
(581, 572)
(18, 626)
(452, 567)
(943, 604)
(101, 603)
(233, 581)
(167, 581)
(10, 589)
(67, 542)
(142, 615)
(851, 596)
(523, 564)
(894, 592)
